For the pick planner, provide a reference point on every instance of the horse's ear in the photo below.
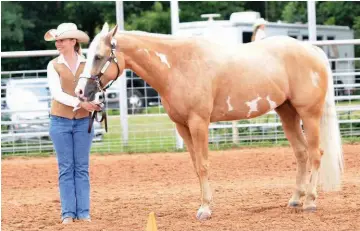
(110, 35)
(105, 29)
(113, 31)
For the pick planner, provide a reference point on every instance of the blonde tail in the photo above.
(332, 161)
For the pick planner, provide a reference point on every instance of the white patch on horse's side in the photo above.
(163, 58)
(271, 103)
(253, 105)
(230, 108)
(315, 79)
(145, 50)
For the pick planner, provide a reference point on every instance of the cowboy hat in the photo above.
(66, 31)
(259, 22)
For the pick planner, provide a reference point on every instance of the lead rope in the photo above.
(93, 116)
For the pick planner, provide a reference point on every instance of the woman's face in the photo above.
(65, 45)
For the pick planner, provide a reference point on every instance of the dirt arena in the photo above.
(251, 188)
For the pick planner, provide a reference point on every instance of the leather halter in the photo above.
(102, 89)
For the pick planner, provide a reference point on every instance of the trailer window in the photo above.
(246, 37)
(306, 38)
(293, 36)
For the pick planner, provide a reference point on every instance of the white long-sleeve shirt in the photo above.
(260, 34)
(55, 84)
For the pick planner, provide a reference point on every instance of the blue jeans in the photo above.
(72, 144)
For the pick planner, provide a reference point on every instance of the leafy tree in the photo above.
(191, 11)
(96, 13)
(273, 10)
(156, 20)
(12, 35)
(295, 12)
(13, 27)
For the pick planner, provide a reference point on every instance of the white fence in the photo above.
(150, 129)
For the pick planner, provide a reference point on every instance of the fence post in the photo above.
(235, 132)
(179, 140)
(122, 81)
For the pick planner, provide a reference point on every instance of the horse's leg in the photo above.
(199, 133)
(311, 120)
(291, 124)
(185, 134)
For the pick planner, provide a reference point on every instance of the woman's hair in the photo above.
(77, 48)
(254, 33)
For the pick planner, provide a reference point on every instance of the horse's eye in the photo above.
(97, 57)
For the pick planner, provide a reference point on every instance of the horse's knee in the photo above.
(301, 155)
(315, 159)
(202, 169)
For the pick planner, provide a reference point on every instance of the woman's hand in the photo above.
(90, 106)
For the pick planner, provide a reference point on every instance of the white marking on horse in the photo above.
(89, 62)
(145, 50)
(163, 58)
(315, 79)
(271, 103)
(230, 108)
(253, 105)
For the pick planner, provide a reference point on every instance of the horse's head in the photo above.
(103, 64)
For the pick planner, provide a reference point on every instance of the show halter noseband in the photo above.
(102, 89)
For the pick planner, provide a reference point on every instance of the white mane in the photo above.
(143, 33)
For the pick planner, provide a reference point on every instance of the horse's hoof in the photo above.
(294, 204)
(204, 213)
(309, 207)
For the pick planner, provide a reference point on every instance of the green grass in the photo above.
(348, 102)
(156, 133)
(146, 134)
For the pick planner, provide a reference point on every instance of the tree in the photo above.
(12, 30)
(191, 11)
(156, 20)
(295, 12)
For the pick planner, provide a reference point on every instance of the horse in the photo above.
(200, 82)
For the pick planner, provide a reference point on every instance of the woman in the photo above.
(259, 30)
(69, 122)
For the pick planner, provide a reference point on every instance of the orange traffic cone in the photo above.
(151, 224)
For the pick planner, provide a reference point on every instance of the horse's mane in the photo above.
(147, 34)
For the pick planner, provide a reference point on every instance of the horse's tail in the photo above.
(332, 161)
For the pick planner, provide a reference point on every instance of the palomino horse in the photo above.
(200, 82)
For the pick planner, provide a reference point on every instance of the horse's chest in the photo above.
(174, 110)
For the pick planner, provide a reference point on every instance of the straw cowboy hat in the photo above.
(66, 31)
(259, 22)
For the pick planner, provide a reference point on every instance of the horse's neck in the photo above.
(150, 58)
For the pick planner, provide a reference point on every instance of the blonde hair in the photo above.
(254, 33)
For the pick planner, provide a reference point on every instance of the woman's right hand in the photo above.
(90, 106)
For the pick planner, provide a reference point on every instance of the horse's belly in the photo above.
(240, 109)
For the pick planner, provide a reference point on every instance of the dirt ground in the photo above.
(251, 188)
